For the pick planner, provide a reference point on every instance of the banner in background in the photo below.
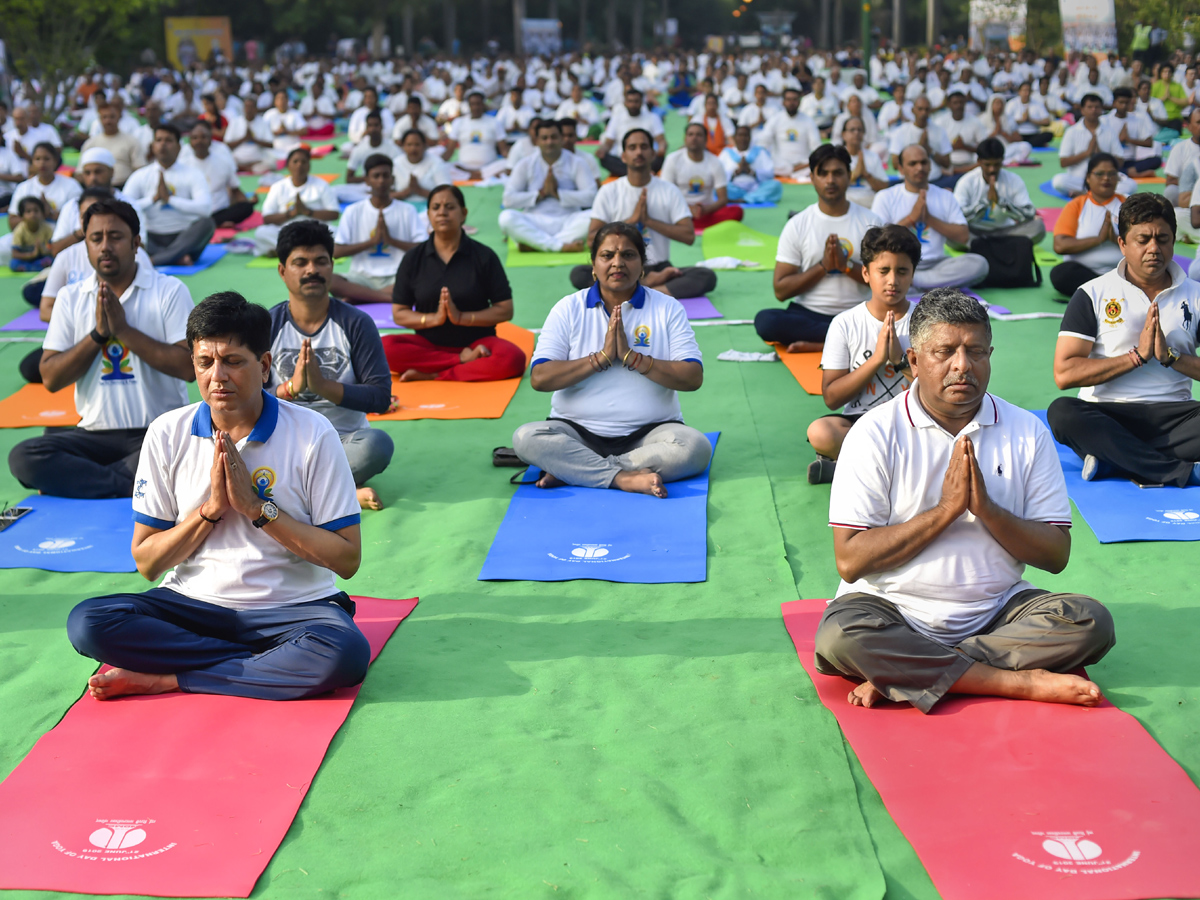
(196, 38)
(998, 24)
(542, 36)
(1089, 25)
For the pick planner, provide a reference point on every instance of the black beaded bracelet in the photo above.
(210, 521)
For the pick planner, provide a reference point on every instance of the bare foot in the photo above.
(368, 498)
(185, 260)
(549, 481)
(1051, 687)
(805, 347)
(414, 375)
(119, 682)
(641, 481)
(227, 225)
(525, 248)
(470, 354)
(572, 247)
(865, 695)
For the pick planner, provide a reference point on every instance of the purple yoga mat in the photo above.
(1185, 262)
(700, 308)
(26, 321)
(380, 313)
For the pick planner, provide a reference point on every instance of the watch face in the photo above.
(270, 510)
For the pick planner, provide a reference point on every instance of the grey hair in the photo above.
(945, 306)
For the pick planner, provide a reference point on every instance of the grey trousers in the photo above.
(674, 451)
(866, 638)
(166, 249)
(1034, 229)
(951, 271)
(368, 450)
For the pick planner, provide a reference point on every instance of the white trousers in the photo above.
(1017, 152)
(951, 271)
(265, 237)
(545, 232)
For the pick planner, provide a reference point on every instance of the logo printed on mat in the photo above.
(114, 840)
(53, 546)
(1074, 853)
(590, 553)
(1175, 517)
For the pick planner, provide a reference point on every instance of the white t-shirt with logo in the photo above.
(119, 389)
(477, 139)
(664, 203)
(850, 342)
(617, 401)
(896, 202)
(907, 134)
(295, 458)
(698, 180)
(315, 193)
(802, 245)
(358, 224)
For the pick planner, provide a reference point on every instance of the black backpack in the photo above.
(1010, 261)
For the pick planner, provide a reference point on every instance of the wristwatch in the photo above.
(1172, 357)
(270, 512)
(903, 365)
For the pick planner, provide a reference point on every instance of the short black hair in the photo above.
(111, 206)
(299, 148)
(625, 230)
(990, 148)
(303, 233)
(170, 129)
(54, 151)
(1142, 208)
(31, 201)
(699, 125)
(229, 314)
(1086, 98)
(1096, 158)
(374, 114)
(632, 131)
(1122, 92)
(632, 90)
(375, 160)
(824, 153)
(454, 190)
(538, 124)
(890, 239)
(97, 192)
(567, 124)
(203, 123)
(417, 131)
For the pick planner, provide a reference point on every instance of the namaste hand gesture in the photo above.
(993, 193)
(163, 194)
(963, 488)
(380, 234)
(887, 346)
(834, 259)
(230, 484)
(549, 186)
(453, 313)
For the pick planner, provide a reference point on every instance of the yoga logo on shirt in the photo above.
(1112, 312)
(263, 479)
(696, 185)
(792, 135)
(1074, 853)
(641, 336)
(116, 363)
(114, 840)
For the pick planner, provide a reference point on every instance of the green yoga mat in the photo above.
(518, 260)
(738, 240)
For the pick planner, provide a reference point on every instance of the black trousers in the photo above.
(235, 213)
(790, 324)
(31, 291)
(30, 366)
(1068, 277)
(692, 281)
(1038, 138)
(1158, 442)
(85, 465)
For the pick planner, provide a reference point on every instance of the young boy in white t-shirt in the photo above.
(864, 361)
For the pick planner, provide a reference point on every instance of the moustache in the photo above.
(312, 279)
(965, 378)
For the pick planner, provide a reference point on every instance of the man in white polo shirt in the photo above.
(934, 217)
(1128, 341)
(175, 200)
(547, 197)
(660, 213)
(818, 260)
(940, 500)
(118, 337)
(376, 232)
(247, 504)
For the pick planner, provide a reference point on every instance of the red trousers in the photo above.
(727, 213)
(411, 351)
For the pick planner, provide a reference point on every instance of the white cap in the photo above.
(97, 155)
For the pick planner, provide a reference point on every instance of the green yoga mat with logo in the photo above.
(744, 243)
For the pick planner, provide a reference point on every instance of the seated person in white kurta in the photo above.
(615, 354)
(297, 196)
(548, 197)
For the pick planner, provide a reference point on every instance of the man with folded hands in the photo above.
(940, 500)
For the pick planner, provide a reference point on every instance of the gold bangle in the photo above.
(625, 358)
(291, 391)
(605, 355)
(423, 319)
(651, 366)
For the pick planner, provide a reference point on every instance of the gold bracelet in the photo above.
(651, 366)
(625, 358)
(423, 319)
(605, 355)
(291, 391)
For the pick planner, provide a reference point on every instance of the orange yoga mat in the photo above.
(33, 405)
(458, 399)
(806, 367)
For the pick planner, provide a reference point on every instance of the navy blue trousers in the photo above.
(280, 653)
(790, 324)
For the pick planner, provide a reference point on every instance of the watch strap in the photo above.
(98, 337)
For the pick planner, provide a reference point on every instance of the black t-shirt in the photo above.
(474, 276)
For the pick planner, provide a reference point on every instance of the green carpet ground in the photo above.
(586, 739)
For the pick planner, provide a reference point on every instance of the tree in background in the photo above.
(50, 41)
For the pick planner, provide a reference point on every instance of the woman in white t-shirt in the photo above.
(1085, 234)
(615, 355)
(45, 183)
(863, 364)
(297, 196)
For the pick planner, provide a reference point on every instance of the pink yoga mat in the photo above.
(1015, 800)
(179, 795)
(221, 235)
(1050, 216)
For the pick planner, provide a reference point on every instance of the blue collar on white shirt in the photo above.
(202, 425)
(593, 298)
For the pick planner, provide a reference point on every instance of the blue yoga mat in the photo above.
(1045, 149)
(64, 535)
(1048, 188)
(567, 533)
(753, 205)
(1117, 510)
(212, 253)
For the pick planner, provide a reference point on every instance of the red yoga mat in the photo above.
(1015, 800)
(178, 795)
